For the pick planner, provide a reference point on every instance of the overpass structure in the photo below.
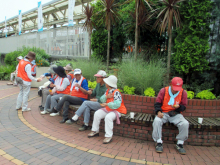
(57, 39)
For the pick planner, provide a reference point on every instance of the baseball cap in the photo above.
(77, 71)
(177, 83)
(20, 58)
(101, 73)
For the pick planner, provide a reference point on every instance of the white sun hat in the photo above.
(111, 81)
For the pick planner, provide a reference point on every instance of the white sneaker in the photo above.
(28, 109)
(44, 112)
(55, 114)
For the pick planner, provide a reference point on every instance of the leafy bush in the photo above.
(89, 68)
(190, 94)
(92, 84)
(149, 92)
(141, 74)
(41, 55)
(206, 94)
(5, 71)
(129, 90)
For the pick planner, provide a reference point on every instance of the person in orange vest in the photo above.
(60, 87)
(79, 93)
(113, 107)
(70, 72)
(24, 79)
(170, 103)
(33, 68)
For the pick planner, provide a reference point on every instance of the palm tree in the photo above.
(89, 24)
(168, 16)
(139, 10)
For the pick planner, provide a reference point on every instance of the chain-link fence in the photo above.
(58, 42)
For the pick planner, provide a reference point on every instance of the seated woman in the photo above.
(113, 106)
(45, 91)
(61, 87)
(69, 72)
(79, 93)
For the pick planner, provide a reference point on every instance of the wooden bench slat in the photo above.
(137, 117)
(141, 118)
(145, 118)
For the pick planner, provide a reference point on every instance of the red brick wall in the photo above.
(195, 107)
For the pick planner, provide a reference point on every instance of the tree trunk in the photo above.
(168, 57)
(90, 45)
(136, 30)
(109, 38)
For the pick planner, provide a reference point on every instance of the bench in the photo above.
(206, 134)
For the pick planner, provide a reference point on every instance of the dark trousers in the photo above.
(65, 102)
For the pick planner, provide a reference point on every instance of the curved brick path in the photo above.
(31, 147)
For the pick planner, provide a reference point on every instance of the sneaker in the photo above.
(159, 147)
(28, 109)
(93, 134)
(180, 149)
(41, 108)
(70, 121)
(19, 109)
(44, 112)
(83, 128)
(55, 114)
(107, 140)
(63, 121)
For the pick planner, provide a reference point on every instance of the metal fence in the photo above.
(71, 42)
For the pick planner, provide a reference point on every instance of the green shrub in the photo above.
(149, 92)
(41, 55)
(5, 71)
(206, 94)
(92, 84)
(190, 94)
(129, 90)
(141, 74)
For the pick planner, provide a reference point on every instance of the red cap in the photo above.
(177, 83)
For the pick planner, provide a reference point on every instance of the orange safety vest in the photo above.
(21, 70)
(72, 75)
(79, 93)
(121, 109)
(165, 107)
(32, 70)
(66, 91)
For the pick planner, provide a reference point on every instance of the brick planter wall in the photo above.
(195, 107)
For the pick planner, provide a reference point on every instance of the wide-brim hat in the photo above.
(20, 58)
(111, 81)
(68, 67)
(60, 71)
(51, 68)
(31, 55)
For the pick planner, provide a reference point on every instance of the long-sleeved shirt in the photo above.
(117, 99)
(160, 98)
(65, 83)
(28, 71)
(99, 91)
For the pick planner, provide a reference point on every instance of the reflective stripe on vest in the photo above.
(21, 70)
(165, 107)
(121, 109)
(79, 93)
(66, 91)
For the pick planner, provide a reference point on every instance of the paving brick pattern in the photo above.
(22, 144)
(30, 147)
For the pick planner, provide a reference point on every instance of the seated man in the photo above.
(69, 72)
(170, 103)
(13, 74)
(93, 104)
(79, 93)
(33, 68)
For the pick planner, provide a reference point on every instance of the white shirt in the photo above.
(28, 71)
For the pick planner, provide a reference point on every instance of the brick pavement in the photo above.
(22, 142)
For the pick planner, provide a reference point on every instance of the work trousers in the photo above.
(22, 99)
(86, 107)
(178, 120)
(108, 117)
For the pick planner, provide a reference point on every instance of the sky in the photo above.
(10, 8)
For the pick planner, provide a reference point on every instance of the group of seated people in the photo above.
(69, 87)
